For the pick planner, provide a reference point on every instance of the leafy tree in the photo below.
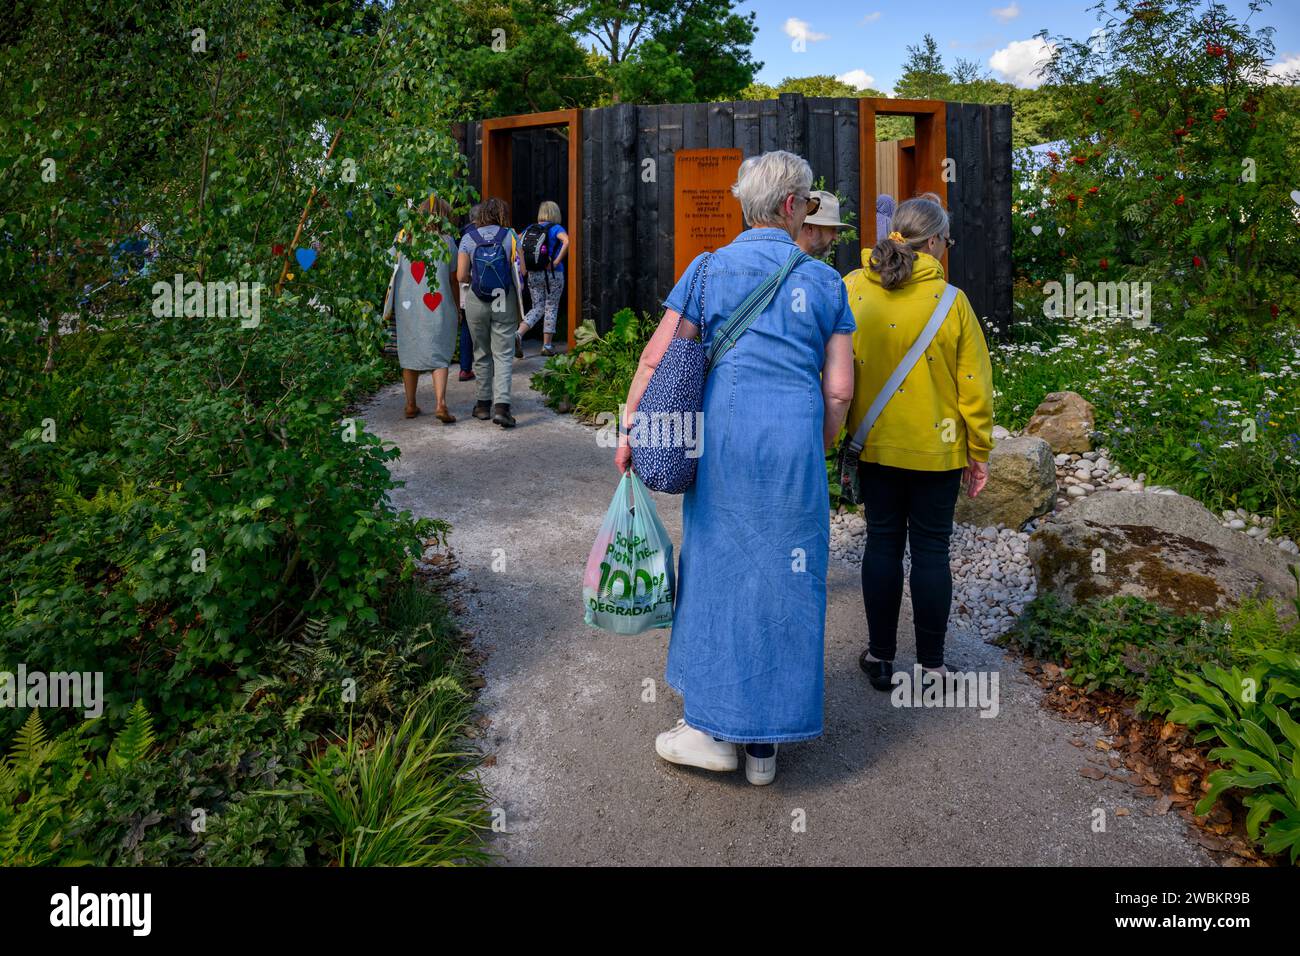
(521, 56)
(969, 71)
(652, 74)
(819, 85)
(924, 76)
(277, 130)
(709, 39)
(1178, 166)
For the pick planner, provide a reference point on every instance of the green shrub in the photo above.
(317, 681)
(180, 496)
(202, 800)
(403, 799)
(1173, 169)
(242, 509)
(1137, 648)
(1253, 713)
(594, 375)
(47, 786)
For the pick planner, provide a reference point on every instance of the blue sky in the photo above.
(866, 42)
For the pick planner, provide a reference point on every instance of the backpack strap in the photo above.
(896, 378)
(751, 308)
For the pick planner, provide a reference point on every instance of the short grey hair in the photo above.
(764, 181)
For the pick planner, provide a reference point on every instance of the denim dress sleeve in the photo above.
(676, 300)
(844, 321)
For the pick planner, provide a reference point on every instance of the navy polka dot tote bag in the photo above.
(667, 431)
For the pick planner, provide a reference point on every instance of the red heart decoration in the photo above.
(431, 299)
(277, 250)
(417, 271)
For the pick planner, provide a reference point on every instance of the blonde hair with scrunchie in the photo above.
(915, 221)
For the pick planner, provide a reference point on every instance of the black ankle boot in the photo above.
(501, 415)
(482, 410)
(879, 673)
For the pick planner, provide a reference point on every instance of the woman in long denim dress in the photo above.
(746, 652)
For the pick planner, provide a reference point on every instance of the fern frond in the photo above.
(31, 744)
(135, 740)
(447, 682)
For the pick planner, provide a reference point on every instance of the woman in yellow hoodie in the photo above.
(934, 426)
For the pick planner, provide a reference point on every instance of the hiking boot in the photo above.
(880, 673)
(501, 416)
(760, 771)
(482, 410)
(694, 748)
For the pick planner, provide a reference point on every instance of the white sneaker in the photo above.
(761, 771)
(694, 748)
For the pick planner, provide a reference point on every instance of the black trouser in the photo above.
(907, 507)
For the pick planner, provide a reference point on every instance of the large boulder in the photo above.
(1165, 548)
(1065, 420)
(1022, 485)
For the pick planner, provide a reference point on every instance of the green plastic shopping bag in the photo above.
(629, 584)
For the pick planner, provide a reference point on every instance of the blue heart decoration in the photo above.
(306, 258)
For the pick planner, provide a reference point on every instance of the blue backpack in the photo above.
(489, 265)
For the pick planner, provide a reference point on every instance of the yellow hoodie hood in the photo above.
(926, 267)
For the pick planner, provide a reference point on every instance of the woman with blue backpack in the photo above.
(545, 245)
(487, 262)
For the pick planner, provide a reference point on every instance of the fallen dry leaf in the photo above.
(1210, 842)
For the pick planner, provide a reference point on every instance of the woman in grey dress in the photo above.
(425, 302)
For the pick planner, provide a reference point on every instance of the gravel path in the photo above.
(572, 712)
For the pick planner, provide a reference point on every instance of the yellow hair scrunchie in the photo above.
(897, 236)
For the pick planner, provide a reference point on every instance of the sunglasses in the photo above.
(813, 203)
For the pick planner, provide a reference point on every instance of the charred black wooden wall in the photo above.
(979, 200)
(627, 247)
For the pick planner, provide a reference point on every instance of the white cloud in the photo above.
(1289, 63)
(870, 18)
(1020, 61)
(858, 79)
(1008, 13)
(799, 30)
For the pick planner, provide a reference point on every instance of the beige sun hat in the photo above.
(828, 213)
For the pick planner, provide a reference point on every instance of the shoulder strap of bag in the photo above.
(751, 308)
(690, 291)
(904, 367)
